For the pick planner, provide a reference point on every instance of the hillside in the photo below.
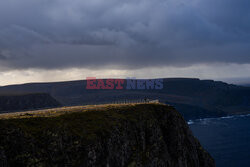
(111, 135)
(247, 85)
(19, 102)
(206, 98)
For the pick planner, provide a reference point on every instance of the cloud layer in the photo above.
(123, 34)
(231, 73)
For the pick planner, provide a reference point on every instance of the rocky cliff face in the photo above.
(148, 135)
(26, 102)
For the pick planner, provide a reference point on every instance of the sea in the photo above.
(227, 139)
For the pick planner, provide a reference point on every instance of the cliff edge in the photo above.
(142, 135)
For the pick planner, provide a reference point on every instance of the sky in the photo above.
(57, 40)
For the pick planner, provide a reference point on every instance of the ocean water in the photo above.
(227, 139)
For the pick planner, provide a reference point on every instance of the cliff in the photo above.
(19, 102)
(149, 135)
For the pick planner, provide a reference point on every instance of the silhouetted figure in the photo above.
(146, 100)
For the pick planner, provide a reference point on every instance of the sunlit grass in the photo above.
(63, 110)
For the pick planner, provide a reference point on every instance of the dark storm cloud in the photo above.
(134, 33)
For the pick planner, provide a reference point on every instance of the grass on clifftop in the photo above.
(83, 121)
(64, 110)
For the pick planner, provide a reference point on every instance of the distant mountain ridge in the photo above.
(193, 97)
(19, 102)
(248, 85)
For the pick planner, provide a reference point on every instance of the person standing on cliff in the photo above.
(146, 100)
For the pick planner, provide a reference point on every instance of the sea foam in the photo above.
(206, 120)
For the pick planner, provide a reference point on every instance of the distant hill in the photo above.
(20, 102)
(194, 98)
(248, 85)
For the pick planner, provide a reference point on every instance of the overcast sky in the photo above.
(50, 40)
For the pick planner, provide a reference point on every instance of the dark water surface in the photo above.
(227, 139)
